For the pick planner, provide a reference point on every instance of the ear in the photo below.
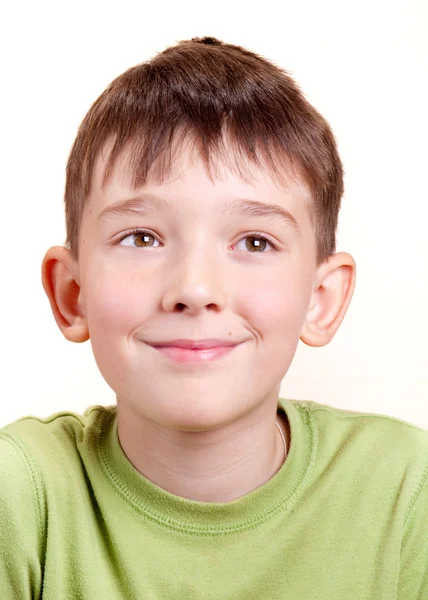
(334, 287)
(60, 282)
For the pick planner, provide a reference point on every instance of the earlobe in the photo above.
(63, 291)
(330, 299)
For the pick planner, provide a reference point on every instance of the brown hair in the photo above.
(202, 89)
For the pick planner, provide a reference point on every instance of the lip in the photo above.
(188, 355)
(206, 344)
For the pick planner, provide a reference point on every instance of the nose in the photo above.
(195, 282)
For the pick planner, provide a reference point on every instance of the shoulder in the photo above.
(372, 446)
(39, 467)
(57, 431)
(385, 458)
(365, 425)
(36, 449)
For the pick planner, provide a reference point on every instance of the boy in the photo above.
(202, 197)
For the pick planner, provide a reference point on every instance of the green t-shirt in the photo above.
(345, 517)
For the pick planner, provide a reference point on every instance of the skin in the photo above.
(204, 432)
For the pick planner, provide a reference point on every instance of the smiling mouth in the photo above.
(186, 355)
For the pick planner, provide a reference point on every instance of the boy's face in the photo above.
(198, 275)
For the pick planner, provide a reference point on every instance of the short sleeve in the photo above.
(20, 524)
(413, 577)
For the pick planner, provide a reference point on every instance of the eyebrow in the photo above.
(146, 204)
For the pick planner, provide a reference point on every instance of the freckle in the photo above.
(230, 333)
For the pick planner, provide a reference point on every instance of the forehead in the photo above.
(190, 186)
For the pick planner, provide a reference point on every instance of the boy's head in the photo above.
(232, 105)
(202, 198)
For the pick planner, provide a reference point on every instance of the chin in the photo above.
(183, 415)
(196, 419)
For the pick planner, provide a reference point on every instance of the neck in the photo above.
(219, 465)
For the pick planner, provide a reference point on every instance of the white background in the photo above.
(364, 65)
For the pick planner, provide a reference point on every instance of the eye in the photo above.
(257, 243)
(139, 238)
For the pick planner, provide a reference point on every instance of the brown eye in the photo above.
(257, 244)
(138, 239)
(142, 239)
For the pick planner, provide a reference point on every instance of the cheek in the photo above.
(277, 305)
(275, 310)
(116, 302)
